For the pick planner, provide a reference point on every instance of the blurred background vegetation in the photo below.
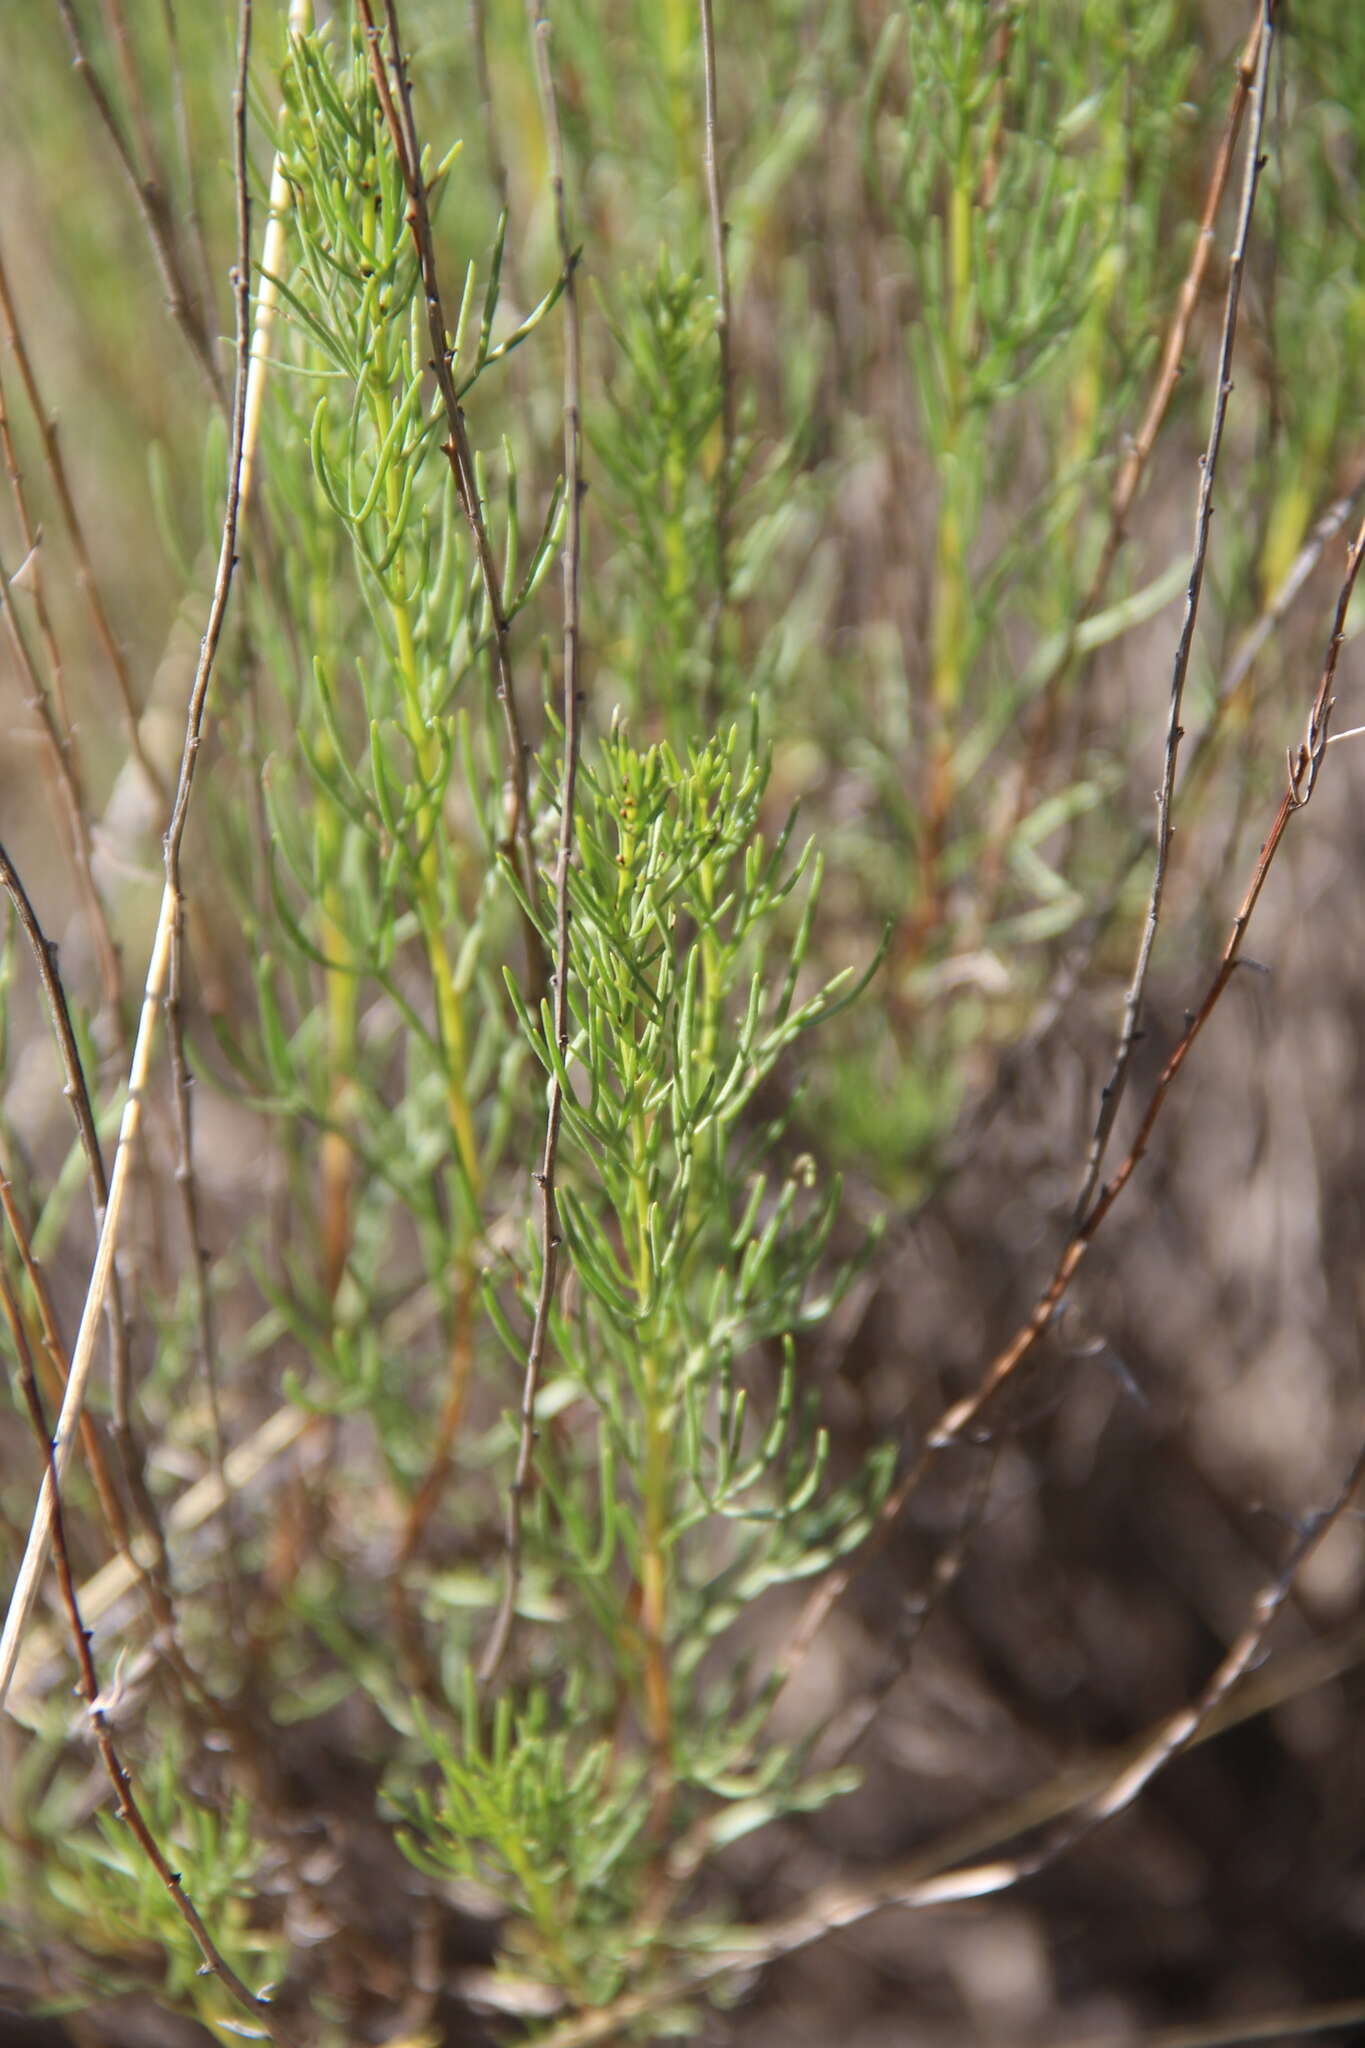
(881, 575)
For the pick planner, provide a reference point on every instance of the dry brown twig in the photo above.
(571, 711)
(52, 1349)
(1249, 83)
(1138, 453)
(1111, 1095)
(1304, 767)
(77, 1094)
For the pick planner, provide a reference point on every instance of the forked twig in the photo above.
(1113, 1091)
(267, 300)
(82, 1357)
(1304, 766)
(498, 1640)
(1138, 454)
(77, 1093)
(1250, 77)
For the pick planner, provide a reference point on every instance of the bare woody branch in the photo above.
(1113, 1091)
(1304, 767)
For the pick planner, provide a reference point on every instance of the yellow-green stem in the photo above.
(427, 894)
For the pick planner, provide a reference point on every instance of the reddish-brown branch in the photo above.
(1304, 768)
(1138, 455)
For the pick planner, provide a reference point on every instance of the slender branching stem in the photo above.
(1112, 1093)
(395, 98)
(571, 721)
(962, 1417)
(77, 1092)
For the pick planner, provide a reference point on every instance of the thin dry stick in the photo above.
(187, 1184)
(85, 574)
(125, 55)
(395, 99)
(59, 746)
(127, 1808)
(154, 206)
(1139, 452)
(1054, 1003)
(1304, 767)
(1111, 1095)
(40, 1533)
(1250, 68)
(925, 1882)
(77, 1094)
(196, 1506)
(721, 268)
(571, 716)
(55, 1352)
